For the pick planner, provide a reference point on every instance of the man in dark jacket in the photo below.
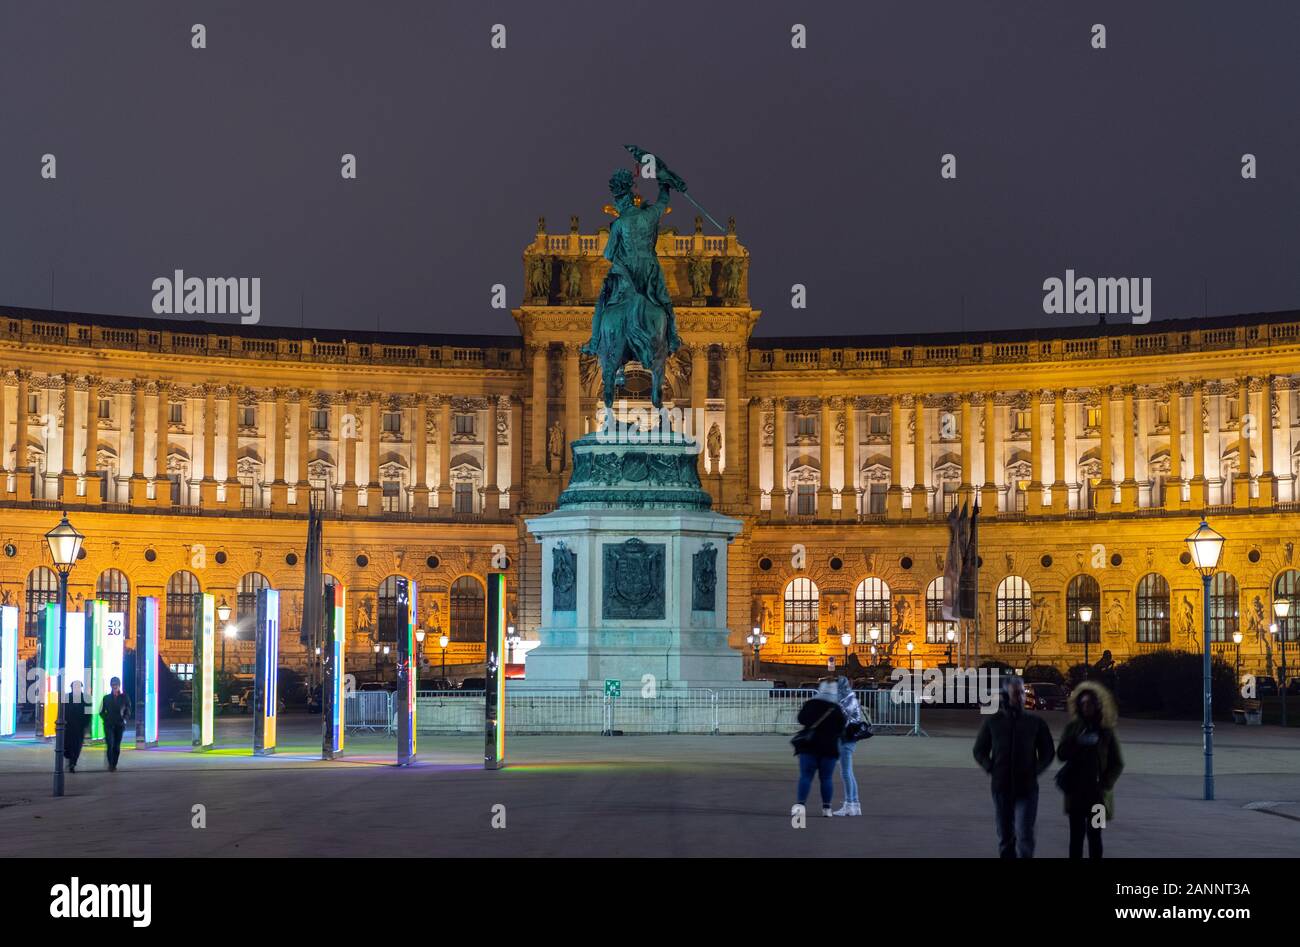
(75, 724)
(1014, 747)
(115, 708)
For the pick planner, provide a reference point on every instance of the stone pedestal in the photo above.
(634, 574)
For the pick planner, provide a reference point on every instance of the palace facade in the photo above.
(187, 453)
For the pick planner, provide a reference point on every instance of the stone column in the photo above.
(374, 493)
(302, 485)
(849, 492)
(699, 402)
(1035, 504)
(965, 489)
(825, 438)
(1267, 478)
(778, 459)
(139, 485)
(208, 485)
(162, 487)
(894, 496)
(4, 431)
(1060, 489)
(1241, 482)
(92, 438)
(538, 406)
(1128, 488)
(1174, 485)
(491, 490)
(731, 420)
(1106, 488)
(572, 406)
(754, 448)
(20, 434)
(920, 495)
(989, 492)
(1197, 430)
(68, 481)
(444, 456)
(233, 499)
(279, 442)
(348, 430)
(420, 458)
(516, 453)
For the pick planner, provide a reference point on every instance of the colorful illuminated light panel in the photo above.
(204, 673)
(264, 678)
(146, 671)
(8, 670)
(494, 730)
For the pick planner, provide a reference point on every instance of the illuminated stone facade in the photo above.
(1092, 452)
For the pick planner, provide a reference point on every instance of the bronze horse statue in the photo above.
(634, 318)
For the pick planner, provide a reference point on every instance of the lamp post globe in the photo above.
(1085, 616)
(65, 547)
(1205, 546)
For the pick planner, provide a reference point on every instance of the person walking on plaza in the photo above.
(76, 721)
(818, 744)
(857, 726)
(1014, 747)
(1093, 762)
(115, 708)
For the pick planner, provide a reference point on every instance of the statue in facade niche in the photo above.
(714, 444)
(555, 445)
(698, 272)
(539, 277)
(733, 270)
(1114, 617)
(634, 317)
(572, 281)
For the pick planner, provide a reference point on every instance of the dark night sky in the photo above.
(225, 161)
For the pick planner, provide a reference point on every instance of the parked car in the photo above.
(436, 684)
(1265, 686)
(182, 702)
(473, 684)
(1045, 696)
(241, 702)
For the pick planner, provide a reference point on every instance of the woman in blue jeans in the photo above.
(856, 726)
(818, 748)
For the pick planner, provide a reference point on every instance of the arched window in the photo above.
(1153, 608)
(801, 604)
(42, 588)
(1224, 604)
(1014, 610)
(112, 586)
(1287, 586)
(468, 613)
(246, 604)
(394, 602)
(182, 606)
(872, 608)
(1082, 590)
(936, 629)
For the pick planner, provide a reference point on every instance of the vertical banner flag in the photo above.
(494, 727)
(265, 696)
(952, 566)
(204, 680)
(966, 593)
(9, 676)
(332, 673)
(146, 671)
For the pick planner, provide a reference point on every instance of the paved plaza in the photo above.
(626, 796)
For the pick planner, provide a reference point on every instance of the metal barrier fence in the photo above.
(738, 711)
(371, 710)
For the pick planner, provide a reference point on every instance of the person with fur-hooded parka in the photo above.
(1093, 763)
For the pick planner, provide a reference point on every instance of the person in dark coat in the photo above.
(1093, 763)
(75, 723)
(115, 708)
(1014, 747)
(818, 744)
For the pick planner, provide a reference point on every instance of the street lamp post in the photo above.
(756, 640)
(419, 648)
(1205, 546)
(376, 660)
(442, 643)
(1282, 608)
(228, 631)
(1236, 639)
(65, 546)
(950, 636)
(875, 637)
(844, 640)
(1085, 616)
